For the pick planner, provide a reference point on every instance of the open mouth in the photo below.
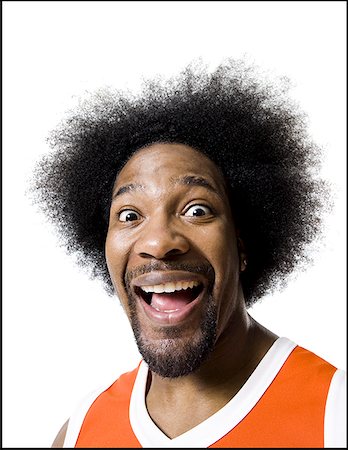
(170, 297)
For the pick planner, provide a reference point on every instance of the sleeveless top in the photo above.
(292, 399)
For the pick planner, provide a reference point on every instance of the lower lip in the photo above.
(173, 317)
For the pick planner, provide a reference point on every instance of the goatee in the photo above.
(174, 354)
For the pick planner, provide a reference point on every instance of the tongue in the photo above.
(171, 301)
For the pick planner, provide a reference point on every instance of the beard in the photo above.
(174, 355)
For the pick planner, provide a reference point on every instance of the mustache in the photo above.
(202, 268)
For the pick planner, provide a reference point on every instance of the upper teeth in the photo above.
(170, 287)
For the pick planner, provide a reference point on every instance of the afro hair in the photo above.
(247, 126)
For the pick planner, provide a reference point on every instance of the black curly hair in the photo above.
(247, 126)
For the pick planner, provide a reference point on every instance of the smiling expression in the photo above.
(172, 255)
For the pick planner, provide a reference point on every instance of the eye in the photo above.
(197, 211)
(128, 215)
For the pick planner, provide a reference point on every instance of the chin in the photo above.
(174, 351)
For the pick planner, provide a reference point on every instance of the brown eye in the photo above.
(128, 215)
(197, 211)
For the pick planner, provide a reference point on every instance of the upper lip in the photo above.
(158, 277)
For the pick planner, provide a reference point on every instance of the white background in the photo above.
(62, 335)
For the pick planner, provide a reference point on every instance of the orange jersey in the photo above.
(292, 399)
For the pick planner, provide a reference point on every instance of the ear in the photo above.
(242, 253)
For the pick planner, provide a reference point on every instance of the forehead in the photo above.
(165, 162)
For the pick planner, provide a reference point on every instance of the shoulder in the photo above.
(336, 411)
(306, 363)
(59, 440)
(323, 377)
(111, 391)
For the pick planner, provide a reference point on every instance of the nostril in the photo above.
(173, 252)
(145, 255)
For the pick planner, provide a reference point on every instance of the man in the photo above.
(191, 202)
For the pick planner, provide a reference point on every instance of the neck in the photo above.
(237, 352)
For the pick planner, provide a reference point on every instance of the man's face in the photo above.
(171, 251)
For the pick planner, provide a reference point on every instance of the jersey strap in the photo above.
(291, 412)
(106, 423)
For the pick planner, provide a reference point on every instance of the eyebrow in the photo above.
(128, 188)
(194, 180)
(191, 180)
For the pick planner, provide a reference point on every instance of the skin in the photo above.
(162, 228)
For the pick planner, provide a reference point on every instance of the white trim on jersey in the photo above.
(335, 424)
(78, 416)
(216, 426)
(220, 423)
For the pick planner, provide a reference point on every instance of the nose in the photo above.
(160, 239)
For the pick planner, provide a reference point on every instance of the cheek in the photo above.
(223, 255)
(221, 246)
(116, 251)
